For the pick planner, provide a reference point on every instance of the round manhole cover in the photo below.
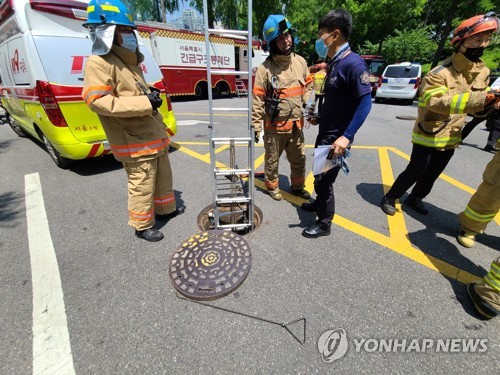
(210, 264)
(233, 214)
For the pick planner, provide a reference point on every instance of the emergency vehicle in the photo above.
(181, 57)
(43, 48)
(376, 65)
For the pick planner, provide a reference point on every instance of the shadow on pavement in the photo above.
(93, 166)
(438, 221)
(11, 204)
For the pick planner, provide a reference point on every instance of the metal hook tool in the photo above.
(284, 325)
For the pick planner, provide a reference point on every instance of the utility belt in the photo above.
(284, 126)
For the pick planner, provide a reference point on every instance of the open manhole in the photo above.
(231, 215)
(210, 265)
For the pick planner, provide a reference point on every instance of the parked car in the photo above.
(399, 81)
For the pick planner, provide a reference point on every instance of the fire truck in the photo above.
(376, 65)
(181, 57)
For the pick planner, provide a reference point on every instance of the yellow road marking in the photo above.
(448, 179)
(397, 240)
(397, 224)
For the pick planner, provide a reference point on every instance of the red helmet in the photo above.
(475, 25)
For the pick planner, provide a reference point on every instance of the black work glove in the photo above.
(154, 98)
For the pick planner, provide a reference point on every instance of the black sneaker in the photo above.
(388, 205)
(150, 235)
(416, 204)
(317, 230)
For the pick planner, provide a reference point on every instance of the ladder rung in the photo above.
(228, 72)
(229, 109)
(233, 200)
(224, 31)
(226, 141)
(231, 226)
(223, 172)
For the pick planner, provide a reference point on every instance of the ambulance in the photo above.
(43, 48)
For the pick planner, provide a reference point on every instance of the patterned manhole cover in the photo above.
(210, 264)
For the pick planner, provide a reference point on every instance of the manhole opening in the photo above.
(232, 214)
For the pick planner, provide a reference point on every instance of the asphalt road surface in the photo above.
(80, 294)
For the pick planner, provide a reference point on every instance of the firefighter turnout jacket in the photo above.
(447, 94)
(293, 85)
(114, 88)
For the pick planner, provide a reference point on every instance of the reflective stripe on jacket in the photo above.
(295, 85)
(447, 94)
(112, 89)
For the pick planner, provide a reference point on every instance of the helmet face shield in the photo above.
(102, 36)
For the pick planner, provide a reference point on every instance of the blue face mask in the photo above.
(321, 49)
(129, 42)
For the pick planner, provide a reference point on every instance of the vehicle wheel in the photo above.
(215, 91)
(15, 126)
(224, 89)
(378, 100)
(60, 161)
(200, 91)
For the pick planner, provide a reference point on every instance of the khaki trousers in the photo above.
(485, 203)
(293, 145)
(150, 191)
(489, 288)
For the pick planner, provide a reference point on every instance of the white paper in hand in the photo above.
(320, 163)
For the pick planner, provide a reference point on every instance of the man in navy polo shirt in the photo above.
(347, 103)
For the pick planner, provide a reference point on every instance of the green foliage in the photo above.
(410, 45)
(409, 30)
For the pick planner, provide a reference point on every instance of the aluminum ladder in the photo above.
(232, 187)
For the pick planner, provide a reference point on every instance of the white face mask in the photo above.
(129, 42)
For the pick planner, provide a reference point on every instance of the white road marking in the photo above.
(191, 122)
(51, 346)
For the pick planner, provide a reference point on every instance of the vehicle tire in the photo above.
(60, 161)
(201, 91)
(224, 89)
(15, 126)
(378, 100)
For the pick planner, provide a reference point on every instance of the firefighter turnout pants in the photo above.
(294, 147)
(489, 291)
(485, 203)
(150, 191)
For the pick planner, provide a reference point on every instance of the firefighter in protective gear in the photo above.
(483, 205)
(447, 94)
(319, 81)
(486, 295)
(281, 89)
(481, 209)
(115, 89)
